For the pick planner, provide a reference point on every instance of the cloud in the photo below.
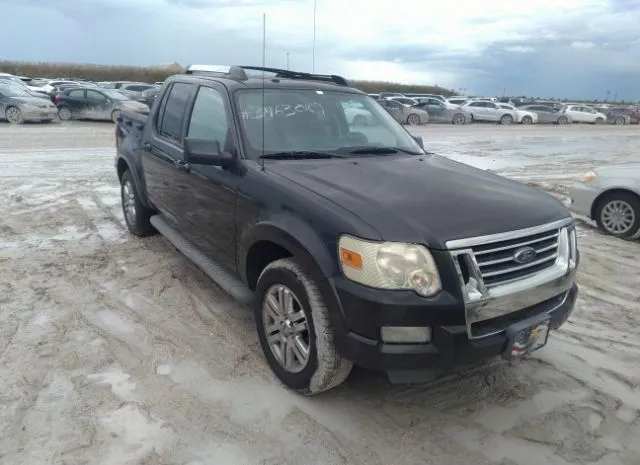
(574, 48)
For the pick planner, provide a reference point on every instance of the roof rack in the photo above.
(238, 73)
(285, 73)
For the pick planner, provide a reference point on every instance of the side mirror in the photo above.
(419, 140)
(206, 152)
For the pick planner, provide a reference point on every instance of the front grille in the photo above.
(497, 263)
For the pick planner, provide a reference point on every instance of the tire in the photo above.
(458, 118)
(619, 121)
(14, 115)
(136, 215)
(599, 121)
(627, 204)
(413, 119)
(114, 115)
(527, 120)
(318, 369)
(506, 119)
(64, 113)
(360, 120)
(563, 120)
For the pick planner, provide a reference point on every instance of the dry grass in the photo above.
(152, 74)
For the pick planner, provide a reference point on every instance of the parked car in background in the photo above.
(96, 104)
(441, 113)
(113, 84)
(548, 115)
(483, 110)
(132, 89)
(147, 96)
(357, 114)
(522, 116)
(18, 105)
(457, 100)
(622, 115)
(9, 79)
(404, 100)
(405, 114)
(435, 101)
(584, 114)
(50, 86)
(610, 195)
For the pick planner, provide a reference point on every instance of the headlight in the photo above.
(588, 176)
(389, 265)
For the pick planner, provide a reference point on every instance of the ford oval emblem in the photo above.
(525, 255)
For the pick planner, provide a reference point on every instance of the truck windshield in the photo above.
(310, 120)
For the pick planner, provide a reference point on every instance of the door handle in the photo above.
(146, 145)
(182, 166)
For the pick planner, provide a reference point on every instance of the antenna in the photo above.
(313, 47)
(264, 59)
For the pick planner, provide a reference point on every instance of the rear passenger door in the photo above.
(76, 101)
(162, 152)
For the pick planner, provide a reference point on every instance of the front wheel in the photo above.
(458, 118)
(619, 121)
(14, 115)
(599, 121)
(64, 113)
(618, 214)
(527, 120)
(506, 119)
(563, 120)
(295, 330)
(136, 215)
(413, 120)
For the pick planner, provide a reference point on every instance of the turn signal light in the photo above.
(350, 258)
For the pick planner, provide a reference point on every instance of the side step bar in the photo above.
(224, 278)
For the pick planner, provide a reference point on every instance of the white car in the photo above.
(435, 101)
(482, 110)
(584, 114)
(523, 116)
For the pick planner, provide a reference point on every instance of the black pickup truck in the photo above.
(353, 243)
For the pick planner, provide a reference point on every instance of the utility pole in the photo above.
(313, 48)
(615, 96)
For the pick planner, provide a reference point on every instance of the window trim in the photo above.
(193, 105)
(162, 111)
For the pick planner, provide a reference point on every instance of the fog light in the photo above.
(406, 334)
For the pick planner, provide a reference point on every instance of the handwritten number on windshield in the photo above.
(282, 111)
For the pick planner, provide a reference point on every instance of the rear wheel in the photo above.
(618, 214)
(563, 120)
(136, 215)
(619, 121)
(295, 330)
(458, 118)
(14, 115)
(506, 119)
(599, 121)
(64, 113)
(413, 119)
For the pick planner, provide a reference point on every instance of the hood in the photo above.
(427, 199)
(625, 169)
(134, 106)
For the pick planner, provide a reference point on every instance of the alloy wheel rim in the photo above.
(13, 115)
(129, 202)
(286, 328)
(64, 114)
(618, 217)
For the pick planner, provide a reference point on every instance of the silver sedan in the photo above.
(405, 114)
(610, 195)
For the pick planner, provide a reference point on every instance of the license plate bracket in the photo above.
(527, 336)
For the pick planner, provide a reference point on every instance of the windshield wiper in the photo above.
(300, 154)
(378, 150)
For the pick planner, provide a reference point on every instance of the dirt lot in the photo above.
(117, 351)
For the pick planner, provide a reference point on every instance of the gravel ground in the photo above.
(115, 350)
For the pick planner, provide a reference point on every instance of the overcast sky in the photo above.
(550, 48)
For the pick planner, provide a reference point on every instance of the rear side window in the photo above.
(77, 93)
(174, 110)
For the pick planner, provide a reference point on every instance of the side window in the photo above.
(95, 96)
(174, 111)
(77, 93)
(209, 116)
(476, 104)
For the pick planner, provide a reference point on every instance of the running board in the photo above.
(224, 278)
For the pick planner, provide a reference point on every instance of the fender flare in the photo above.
(294, 235)
(135, 173)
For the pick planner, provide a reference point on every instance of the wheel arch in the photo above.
(123, 164)
(609, 192)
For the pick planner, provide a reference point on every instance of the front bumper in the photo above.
(582, 198)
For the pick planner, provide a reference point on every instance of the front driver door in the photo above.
(210, 204)
(97, 105)
(436, 112)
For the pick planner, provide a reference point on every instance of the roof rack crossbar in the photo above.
(285, 73)
(232, 72)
